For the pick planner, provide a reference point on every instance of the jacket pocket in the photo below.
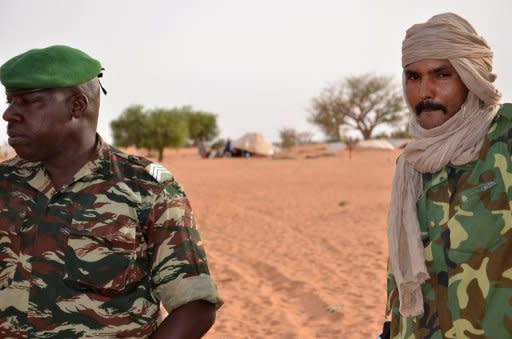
(480, 219)
(103, 259)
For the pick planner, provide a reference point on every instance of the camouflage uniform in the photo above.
(94, 259)
(466, 221)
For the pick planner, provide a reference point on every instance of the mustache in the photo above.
(430, 106)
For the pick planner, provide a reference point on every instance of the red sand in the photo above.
(297, 247)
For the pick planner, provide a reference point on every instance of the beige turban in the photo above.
(448, 36)
(458, 141)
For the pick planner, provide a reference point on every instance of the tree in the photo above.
(291, 137)
(130, 129)
(288, 137)
(304, 138)
(360, 102)
(201, 125)
(153, 129)
(165, 128)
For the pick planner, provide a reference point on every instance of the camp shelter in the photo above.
(254, 143)
(335, 146)
(374, 144)
(386, 144)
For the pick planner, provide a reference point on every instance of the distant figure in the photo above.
(203, 152)
(350, 148)
(350, 142)
(227, 152)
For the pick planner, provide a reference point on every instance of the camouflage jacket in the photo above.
(466, 221)
(94, 259)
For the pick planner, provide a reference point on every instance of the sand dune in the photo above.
(297, 247)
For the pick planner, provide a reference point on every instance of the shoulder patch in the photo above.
(159, 172)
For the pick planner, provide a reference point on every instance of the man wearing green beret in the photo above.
(91, 240)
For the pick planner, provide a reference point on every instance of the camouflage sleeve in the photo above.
(179, 269)
(397, 324)
(391, 291)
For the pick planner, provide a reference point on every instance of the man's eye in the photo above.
(31, 101)
(412, 77)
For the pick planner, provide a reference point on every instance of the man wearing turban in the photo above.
(450, 217)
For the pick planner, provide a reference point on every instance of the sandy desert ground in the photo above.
(297, 246)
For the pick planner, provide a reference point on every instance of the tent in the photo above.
(254, 143)
(389, 144)
(375, 144)
(335, 146)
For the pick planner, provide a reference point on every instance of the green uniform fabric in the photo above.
(52, 67)
(466, 221)
(94, 258)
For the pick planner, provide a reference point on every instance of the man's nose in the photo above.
(426, 90)
(11, 113)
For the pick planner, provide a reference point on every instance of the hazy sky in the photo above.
(256, 64)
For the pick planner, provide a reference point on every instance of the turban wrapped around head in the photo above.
(449, 36)
(458, 141)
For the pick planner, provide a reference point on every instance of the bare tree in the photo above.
(288, 137)
(360, 102)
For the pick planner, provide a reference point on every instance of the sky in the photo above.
(255, 64)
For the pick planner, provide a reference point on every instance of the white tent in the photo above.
(335, 146)
(254, 143)
(375, 144)
(389, 144)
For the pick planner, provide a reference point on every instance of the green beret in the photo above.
(52, 67)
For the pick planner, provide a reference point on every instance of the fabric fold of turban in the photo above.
(448, 36)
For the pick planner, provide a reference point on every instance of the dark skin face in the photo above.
(52, 126)
(434, 90)
(38, 123)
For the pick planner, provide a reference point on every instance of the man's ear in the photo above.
(79, 105)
